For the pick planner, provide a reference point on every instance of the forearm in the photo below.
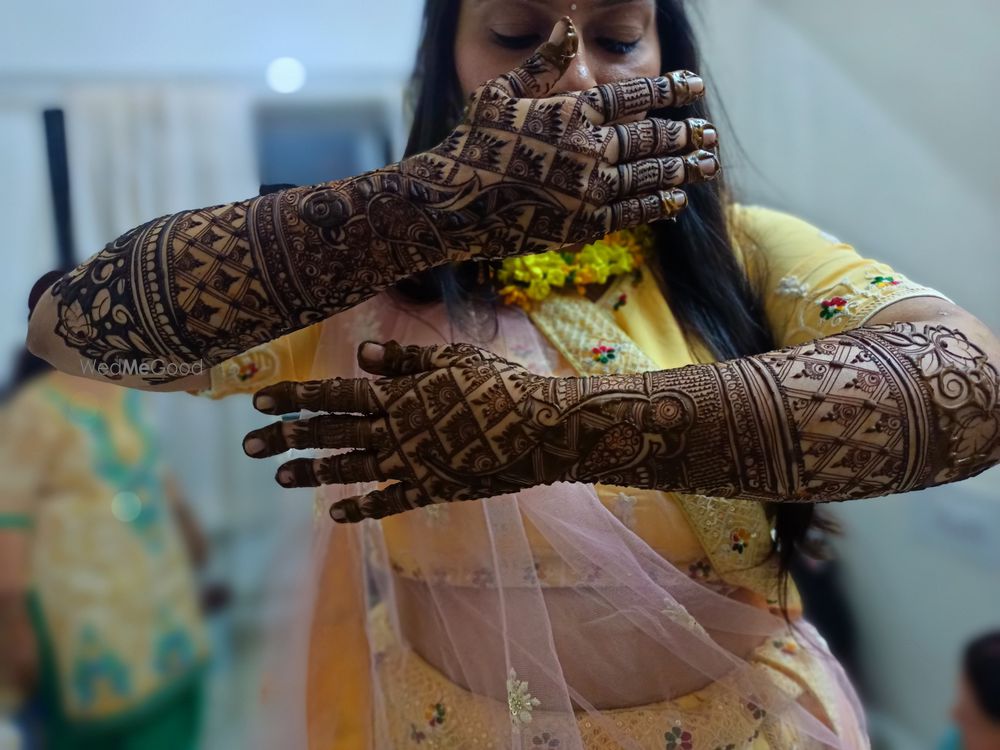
(202, 286)
(874, 411)
(518, 175)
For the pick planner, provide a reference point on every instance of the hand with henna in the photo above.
(524, 172)
(877, 410)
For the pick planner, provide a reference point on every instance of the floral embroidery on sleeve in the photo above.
(849, 302)
(246, 371)
(792, 286)
(832, 307)
(884, 281)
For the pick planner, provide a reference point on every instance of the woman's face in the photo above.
(618, 39)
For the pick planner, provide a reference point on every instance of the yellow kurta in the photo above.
(98, 547)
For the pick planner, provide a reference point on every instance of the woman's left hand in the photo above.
(449, 423)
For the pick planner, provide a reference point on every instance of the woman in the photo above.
(976, 712)
(637, 603)
(103, 635)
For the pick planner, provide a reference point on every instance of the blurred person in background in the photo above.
(668, 385)
(976, 712)
(103, 639)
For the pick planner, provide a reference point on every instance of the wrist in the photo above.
(400, 222)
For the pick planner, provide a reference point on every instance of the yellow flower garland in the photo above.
(531, 278)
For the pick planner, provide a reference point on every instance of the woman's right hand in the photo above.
(527, 172)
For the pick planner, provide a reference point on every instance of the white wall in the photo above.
(351, 50)
(218, 36)
(874, 121)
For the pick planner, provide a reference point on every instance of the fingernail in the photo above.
(709, 138)
(263, 402)
(707, 163)
(680, 198)
(338, 514)
(694, 82)
(285, 477)
(560, 29)
(254, 446)
(562, 44)
(372, 351)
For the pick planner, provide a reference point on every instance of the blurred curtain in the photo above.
(137, 152)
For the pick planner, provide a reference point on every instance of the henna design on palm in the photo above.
(524, 172)
(874, 411)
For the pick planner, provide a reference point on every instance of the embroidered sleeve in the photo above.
(287, 358)
(812, 284)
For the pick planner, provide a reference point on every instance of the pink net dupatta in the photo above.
(537, 620)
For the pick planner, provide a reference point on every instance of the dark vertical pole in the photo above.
(55, 143)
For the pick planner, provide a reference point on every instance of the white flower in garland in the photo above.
(519, 700)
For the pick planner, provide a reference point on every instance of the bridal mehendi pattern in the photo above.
(523, 172)
(872, 411)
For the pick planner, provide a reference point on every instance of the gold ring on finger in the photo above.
(673, 202)
(697, 128)
(695, 169)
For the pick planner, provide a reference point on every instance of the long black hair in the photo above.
(26, 365)
(695, 264)
(981, 664)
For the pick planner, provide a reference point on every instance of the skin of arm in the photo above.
(523, 173)
(908, 401)
(195, 541)
(18, 647)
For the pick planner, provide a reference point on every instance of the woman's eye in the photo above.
(530, 41)
(618, 47)
(522, 41)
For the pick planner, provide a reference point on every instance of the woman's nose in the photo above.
(578, 76)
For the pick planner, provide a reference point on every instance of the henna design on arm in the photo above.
(877, 410)
(874, 411)
(523, 173)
